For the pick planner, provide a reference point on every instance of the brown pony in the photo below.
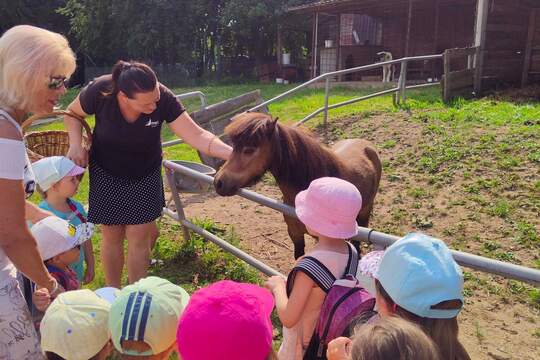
(295, 158)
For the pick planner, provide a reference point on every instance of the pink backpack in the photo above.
(345, 301)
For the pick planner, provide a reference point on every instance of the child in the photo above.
(144, 318)
(75, 327)
(419, 280)
(58, 179)
(388, 338)
(328, 209)
(59, 244)
(228, 321)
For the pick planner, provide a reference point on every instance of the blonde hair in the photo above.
(392, 338)
(29, 56)
(443, 332)
(141, 346)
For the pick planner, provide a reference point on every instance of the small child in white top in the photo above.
(328, 208)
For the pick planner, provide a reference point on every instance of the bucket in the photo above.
(187, 184)
(286, 58)
(328, 43)
(279, 80)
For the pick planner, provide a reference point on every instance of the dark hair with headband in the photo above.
(132, 78)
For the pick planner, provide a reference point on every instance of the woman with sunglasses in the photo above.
(33, 66)
(126, 188)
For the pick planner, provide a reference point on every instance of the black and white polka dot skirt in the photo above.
(117, 201)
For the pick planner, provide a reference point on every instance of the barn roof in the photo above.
(352, 5)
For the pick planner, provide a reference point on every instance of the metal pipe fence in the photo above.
(400, 90)
(204, 103)
(487, 265)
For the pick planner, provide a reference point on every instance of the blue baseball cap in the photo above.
(52, 169)
(418, 271)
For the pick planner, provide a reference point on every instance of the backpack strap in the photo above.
(75, 211)
(58, 274)
(352, 263)
(317, 272)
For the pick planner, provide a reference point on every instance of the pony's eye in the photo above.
(248, 150)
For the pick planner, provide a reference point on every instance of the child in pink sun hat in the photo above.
(328, 209)
(228, 321)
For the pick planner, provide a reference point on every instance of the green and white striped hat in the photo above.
(147, 311)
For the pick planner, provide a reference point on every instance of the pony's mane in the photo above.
(299, 158)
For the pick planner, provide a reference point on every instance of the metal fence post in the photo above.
(177, 201)
(326, 95)
(402, 97)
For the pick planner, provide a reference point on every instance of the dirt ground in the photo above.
(495, 323)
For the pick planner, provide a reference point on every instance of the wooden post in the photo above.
(407, 39)
(315, 42)
(338, 41)
(528, 48)
(435, 38)
(446, 76)
(436, 30)
(482, 7)
(279, 46)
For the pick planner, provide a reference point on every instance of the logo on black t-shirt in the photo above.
(151, 123)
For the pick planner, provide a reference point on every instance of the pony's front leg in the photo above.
(299, 244)
(296, 232)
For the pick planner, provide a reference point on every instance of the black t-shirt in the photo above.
(123, 149)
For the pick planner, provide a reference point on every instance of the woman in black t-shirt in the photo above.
(126, 188)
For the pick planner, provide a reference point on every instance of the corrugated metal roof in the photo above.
(320, 4)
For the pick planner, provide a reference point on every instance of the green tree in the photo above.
(33, 12)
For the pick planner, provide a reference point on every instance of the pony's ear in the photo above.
(272, 125)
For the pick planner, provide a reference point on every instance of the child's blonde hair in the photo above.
(142, 347)
(29, 56)
(444, 332)
(392, 338)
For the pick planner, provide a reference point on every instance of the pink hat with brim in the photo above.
(76, 171)
(367, 268)
(228, 321)
(330, 206)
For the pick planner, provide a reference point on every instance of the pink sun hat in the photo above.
(330, 206)
(367, 268)
(226, 320)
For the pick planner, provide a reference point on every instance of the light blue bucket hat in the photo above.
(418, 271)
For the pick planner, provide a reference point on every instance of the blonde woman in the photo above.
(34, 64)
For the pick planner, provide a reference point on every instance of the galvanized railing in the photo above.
(188, 95)
(399, 90)
(472, 261)
(191, 94)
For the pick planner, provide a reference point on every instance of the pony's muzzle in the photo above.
(224, 187)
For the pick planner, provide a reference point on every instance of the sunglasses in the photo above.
(57, 82)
